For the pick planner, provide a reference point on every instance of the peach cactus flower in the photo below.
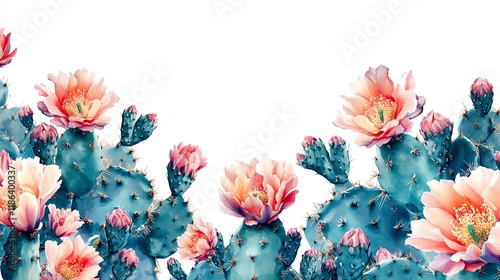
(258, 191)
(35, 184)
(461, 222)
(64, 222)
(187, 159)
(5, 161)
(198, 242)
(380, 109)
(77, 101)
(5, 54)
(71, 259)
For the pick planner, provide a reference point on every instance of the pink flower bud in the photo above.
(481, 87)
(64, 222)
(329, 265)
(44, 132)
(355, 238)
(187, 159)
(153, 118)
(119, 219)
(497, 156)
(337, 140)
(382, 255)
(308, 141)
(301, 157)
(25, 111)
(132, 109)
(434, 123)
(311, 253)
(129, 258)
(293, 232)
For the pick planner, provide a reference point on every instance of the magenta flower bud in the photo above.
(132, 109)
(434, 123)
(355, 238)
(308, 141)
(382, 255)
(293, 232)
(481, 87)
(44, 132)
(152, 117)
(497, 156)
(119, 219)
(337, 140)
(300, 157)
(25, 111)
(311, 253)
(129, 258)
(328, 265)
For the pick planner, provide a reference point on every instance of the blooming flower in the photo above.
(187, 159)
(5, 161)
(78, 100)
(380, 109)
(461, 222)
(64, 222)
(258, 191)
(198, 242)
(5, 54)
(71, 259)
(35, 184)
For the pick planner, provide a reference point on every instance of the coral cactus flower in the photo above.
(188, 159)
(64, 222)
(35, 184)
(71, 259)
(77, 101)
(258, 191)
(461, 222)
(5, 161)
(380, 109)
(5, 54)
(198, 242)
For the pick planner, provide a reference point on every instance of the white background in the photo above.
(250, 77)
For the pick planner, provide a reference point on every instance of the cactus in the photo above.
(44, 140)
(316, 265)
(401, 268)
(21, 255)
(4, 93)
(353, 254)
(464, 157)
(175, 269)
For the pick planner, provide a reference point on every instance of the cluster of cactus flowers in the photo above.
(78, 209)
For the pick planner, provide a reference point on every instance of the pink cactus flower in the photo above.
(461, 222)
(329, 265)
(355, 238)
(258, 191)
(71, 260)
(64, 222)
(44, 132)
(308, 141)
(497, 156)
(434, 123)
(78, 100)
(293, 232)
(188, 159)
(25, 111)
(132, 109)
(481, 87)
(380, 109)
(337, 140)
(129, 258)
(311, 252)
(118, 218)
(300, 157)
(153, 118)
(35, 184)
(198, 242)
(382, 255)
(5, 54)
(5, 161)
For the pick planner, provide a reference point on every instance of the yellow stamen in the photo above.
(70, 269)
(380, 110)
(77, 104)
(473, 226)
(260, 195)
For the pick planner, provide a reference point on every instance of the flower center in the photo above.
(473, 226)
(70, 269)
(260, 195)
(77, 104)
(380, 111)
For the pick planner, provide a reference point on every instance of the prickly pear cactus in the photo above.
(402, 268)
